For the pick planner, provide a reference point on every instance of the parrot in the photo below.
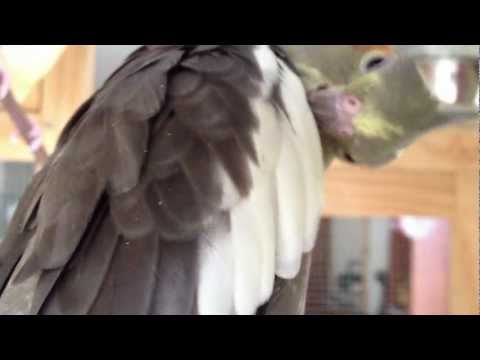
(190, 183)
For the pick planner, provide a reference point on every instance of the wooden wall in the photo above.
(438, 177)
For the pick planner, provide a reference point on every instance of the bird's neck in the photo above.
(329, 153)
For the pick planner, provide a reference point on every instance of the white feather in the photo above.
(273, 227)
(267, 61)
(253, 221)
(291, 208)
(263, 197)
(247, 259)
(230, 195)
(266, 220)
(215, 287)
(309, 148)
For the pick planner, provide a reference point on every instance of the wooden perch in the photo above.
(27, 128)
(49, 85)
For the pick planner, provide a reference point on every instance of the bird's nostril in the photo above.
(352, 102)
(352, 105)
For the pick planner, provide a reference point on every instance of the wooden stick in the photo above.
(27, 127)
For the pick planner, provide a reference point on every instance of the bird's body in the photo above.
(187, 185)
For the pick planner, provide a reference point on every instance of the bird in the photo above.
(191, 182)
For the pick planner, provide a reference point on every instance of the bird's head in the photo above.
(372, 101)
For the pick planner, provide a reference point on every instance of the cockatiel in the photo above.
(191, 184)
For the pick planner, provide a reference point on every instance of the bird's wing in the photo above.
(163, 196)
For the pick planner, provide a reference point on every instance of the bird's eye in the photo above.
(374, 61)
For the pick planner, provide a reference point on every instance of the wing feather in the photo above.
(102, 150)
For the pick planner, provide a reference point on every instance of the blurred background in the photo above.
(401, 240)
(382, 267)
